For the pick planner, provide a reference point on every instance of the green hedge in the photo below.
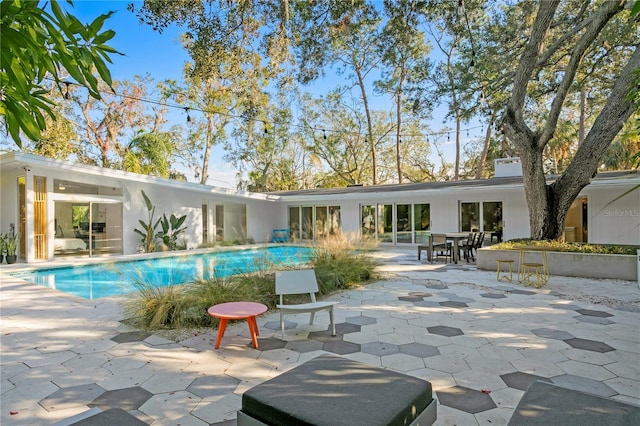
(553, 245)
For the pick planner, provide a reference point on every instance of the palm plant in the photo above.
(148, 231)
(171, 229)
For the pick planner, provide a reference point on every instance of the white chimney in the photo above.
(508, 167)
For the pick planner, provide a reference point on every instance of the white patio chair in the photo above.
(299, 282)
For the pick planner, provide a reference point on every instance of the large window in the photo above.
(483, 216)
(205, 222)
(421, 223)
(294, 222)
(307, 223)
(396, 223)
(335, 220)
(314, 222)
(469, 217)
(87, 228)
(491, 216)
(403, 223)
(368, 220)
(385, 223)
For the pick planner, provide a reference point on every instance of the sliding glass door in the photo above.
(396, 223)
(483, 216)
(314, 222)
(87, 228)
(403, 223)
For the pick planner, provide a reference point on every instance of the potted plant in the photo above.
(2, 248)
(10, 246)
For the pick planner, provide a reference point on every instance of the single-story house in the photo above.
(59, 208)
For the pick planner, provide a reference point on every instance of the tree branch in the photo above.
(609, 122)
(600, 18)
(529, 57)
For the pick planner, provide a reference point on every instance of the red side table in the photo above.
(237, 311)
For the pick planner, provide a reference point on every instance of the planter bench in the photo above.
(588, 265)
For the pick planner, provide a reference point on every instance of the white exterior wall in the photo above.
(609, 221)
(613, 221)
(243, 212)
(444, 207)
(515, 215)
(9, 191)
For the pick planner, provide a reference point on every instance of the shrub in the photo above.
(340, 262)
(555, 245)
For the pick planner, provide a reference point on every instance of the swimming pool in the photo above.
(116, 278)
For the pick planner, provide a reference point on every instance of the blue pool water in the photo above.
(115, 278)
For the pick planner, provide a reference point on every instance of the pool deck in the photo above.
(479, 342)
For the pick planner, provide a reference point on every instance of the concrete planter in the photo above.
(611, 266)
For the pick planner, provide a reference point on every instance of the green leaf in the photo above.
(147, 201)
(97, 23)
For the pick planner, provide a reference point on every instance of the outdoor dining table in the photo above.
(456, 237)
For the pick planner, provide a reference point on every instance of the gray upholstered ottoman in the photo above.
(331, 390)
(546, 404)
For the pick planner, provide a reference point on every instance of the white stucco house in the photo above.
(59, 208)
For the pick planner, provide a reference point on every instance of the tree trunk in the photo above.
(456, 170)
(547, 219)
(399, 124)
(372, 142)
(583, 115)
(207, 151)
(548, 204)
(485, 149)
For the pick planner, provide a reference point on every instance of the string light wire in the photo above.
(266, 123)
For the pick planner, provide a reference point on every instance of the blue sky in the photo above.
(146, 51)
(160, 55)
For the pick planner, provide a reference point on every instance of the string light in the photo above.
(266, 130)
(66, 91)
(463, 11)
(324, 134)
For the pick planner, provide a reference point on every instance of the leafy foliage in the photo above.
(9, 243)
(148, 228)
(171, 230)
(39, 44)
(555, 245)
(339, 263)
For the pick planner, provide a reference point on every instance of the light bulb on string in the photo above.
(188, 116)
(324, 134)
(66, 91)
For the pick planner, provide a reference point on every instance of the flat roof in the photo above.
(617, 176)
